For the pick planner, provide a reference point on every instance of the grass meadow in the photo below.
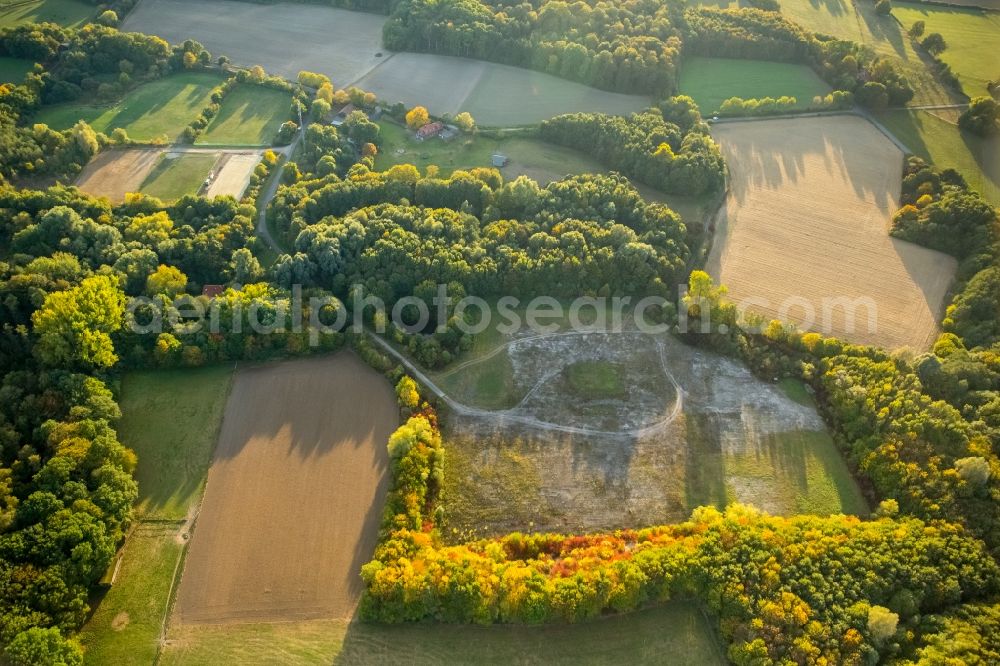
(68, 13)
(710, 81)
(176, 176)
(646, 636)
(159, 110)
(972, 36)
(934, 136)
(857, 21)
(250, 116)
(170, 418)
(13, 70)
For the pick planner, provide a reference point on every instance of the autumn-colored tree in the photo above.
(407, 393)
(465, 121)
(325, 92)
(166, 280)
(417, 117)
(74, 327)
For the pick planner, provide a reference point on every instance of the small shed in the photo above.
(499, 160)
(212, 290)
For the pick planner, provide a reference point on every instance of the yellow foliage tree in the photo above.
(417, 117)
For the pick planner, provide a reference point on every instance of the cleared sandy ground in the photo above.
(294, 495)
(283, 38)
(115, 173)
(286, 38)
(806, 222)
(233, 172)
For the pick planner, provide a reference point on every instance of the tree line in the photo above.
(806, 589)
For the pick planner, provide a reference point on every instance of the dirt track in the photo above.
(807, 221)
(294, 495)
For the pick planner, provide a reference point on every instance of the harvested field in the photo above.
(284, 38)
(805, 227)
(115, 173)
(294, 495)
(232, 174)
(287, 38)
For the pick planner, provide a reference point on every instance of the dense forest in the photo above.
(668, 148)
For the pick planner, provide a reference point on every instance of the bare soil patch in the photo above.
(294, 495)
(232, 174)
(807, 222)
(115, 173)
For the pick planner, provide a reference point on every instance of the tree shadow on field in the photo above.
(884, 29)
(832, 7)
(757, 160)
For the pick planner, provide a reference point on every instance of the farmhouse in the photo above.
(430, 130)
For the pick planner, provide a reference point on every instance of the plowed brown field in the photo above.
(294, 495)
(804, 233)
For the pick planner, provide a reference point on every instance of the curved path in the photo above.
(511, 416)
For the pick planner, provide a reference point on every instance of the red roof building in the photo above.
(429, 130)
(212, 290)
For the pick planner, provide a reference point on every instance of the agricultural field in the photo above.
(250, 116)
(347, 46)
(232, 174)
(69, 13)
(294, 494)
(710, 81)
(640, 637)
(284, 38)
(495, 95)
(171, 420)
(168, 173)
(972, 36)
(579, 433)
(13, 70)
(934, 136)
(155, 111)
(115, 173)
(796, 262)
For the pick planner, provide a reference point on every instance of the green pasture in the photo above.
(250, 116)
(159, 110)
(710, 81)
(179, 175)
